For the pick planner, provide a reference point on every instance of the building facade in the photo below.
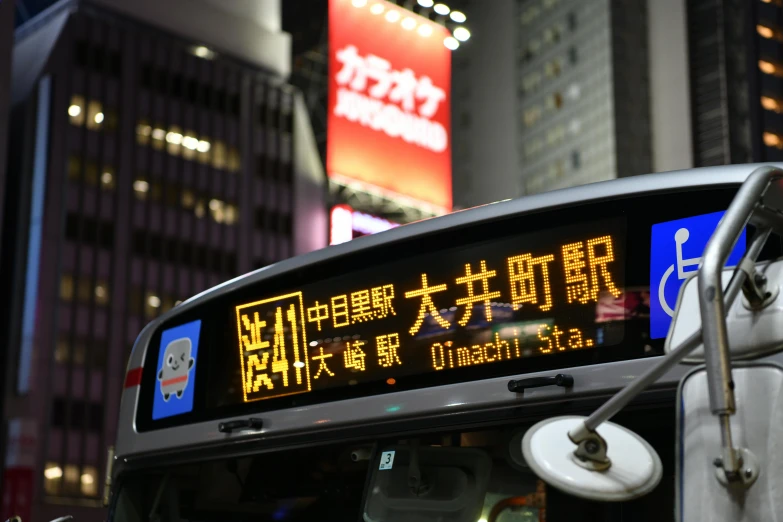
(554, 93)
(150, 165)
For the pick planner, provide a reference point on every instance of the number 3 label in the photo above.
(387, 460)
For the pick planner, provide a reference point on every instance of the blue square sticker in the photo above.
(176, 371)
(675, 253)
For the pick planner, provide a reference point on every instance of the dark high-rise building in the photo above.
(151, 160)
(6, 44)
(555, 93)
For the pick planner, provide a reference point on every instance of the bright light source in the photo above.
(177, 302)
(392, 16)
(158, 134)
(74, 111)
(299, 364)
(773, 140)
(451, 43)
(458, 16)
(482, 520)
(426, 3)
(174, 138)
(215, 204)
(53, 473)
(765, 31)
(153, 301)
(203, 146)
(461, 34)
(141, 186)
(98, 117)
(425, 30)
(342, 225)
(409, 24)
(144, 130)
(189, 142)
(766, 67)
(359, 3)
(106, 178)
(202, 52)
(441, 9)
(770, 104)
(377, 9)
(87, 478)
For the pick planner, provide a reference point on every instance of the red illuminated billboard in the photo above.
(389, 121)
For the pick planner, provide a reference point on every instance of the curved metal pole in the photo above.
(627, 394)
(713, 306)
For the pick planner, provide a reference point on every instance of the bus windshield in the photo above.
(355, 481)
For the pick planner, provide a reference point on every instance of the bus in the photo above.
(407, 375)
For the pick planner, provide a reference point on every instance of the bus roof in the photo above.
(489, 393)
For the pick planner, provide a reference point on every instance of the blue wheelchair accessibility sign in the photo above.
(675, 252)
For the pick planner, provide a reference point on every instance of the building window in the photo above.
(91, 114)
(572, 21)
(530, 14)
(573, 56)
(66, 287)
(84, 290)
(769, 68)
(773, 140)
(771, 104)
(555, 101)
(70, 482)
(576, 161)
(76, 110)
(95, 115)
(552, 69)
(107, 178)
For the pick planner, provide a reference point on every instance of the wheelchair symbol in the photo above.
(680, 237)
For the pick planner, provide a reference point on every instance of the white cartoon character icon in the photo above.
(177, 362)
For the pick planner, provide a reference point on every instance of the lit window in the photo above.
(61, 350)
(204, 149)
(190, 145)
(143, 133)
(174, 140)
(199, 210)
(771, 104)
(102, 293)
(158, 138)
(230, 214)
(76, 110)
(107, 178)
(219, 155)
(188, 199)
(95, 115)
(52, 476)
(772, 140)
(140, 188)
(767, 67)
(765, 31)
(66, 287)
(89, 481)
(151, 305)
(233, 164)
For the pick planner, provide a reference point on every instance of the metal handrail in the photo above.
(746, 207)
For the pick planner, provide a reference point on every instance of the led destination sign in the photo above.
(492, 303)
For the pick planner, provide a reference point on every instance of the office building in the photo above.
(154, 156)
(575, 91)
